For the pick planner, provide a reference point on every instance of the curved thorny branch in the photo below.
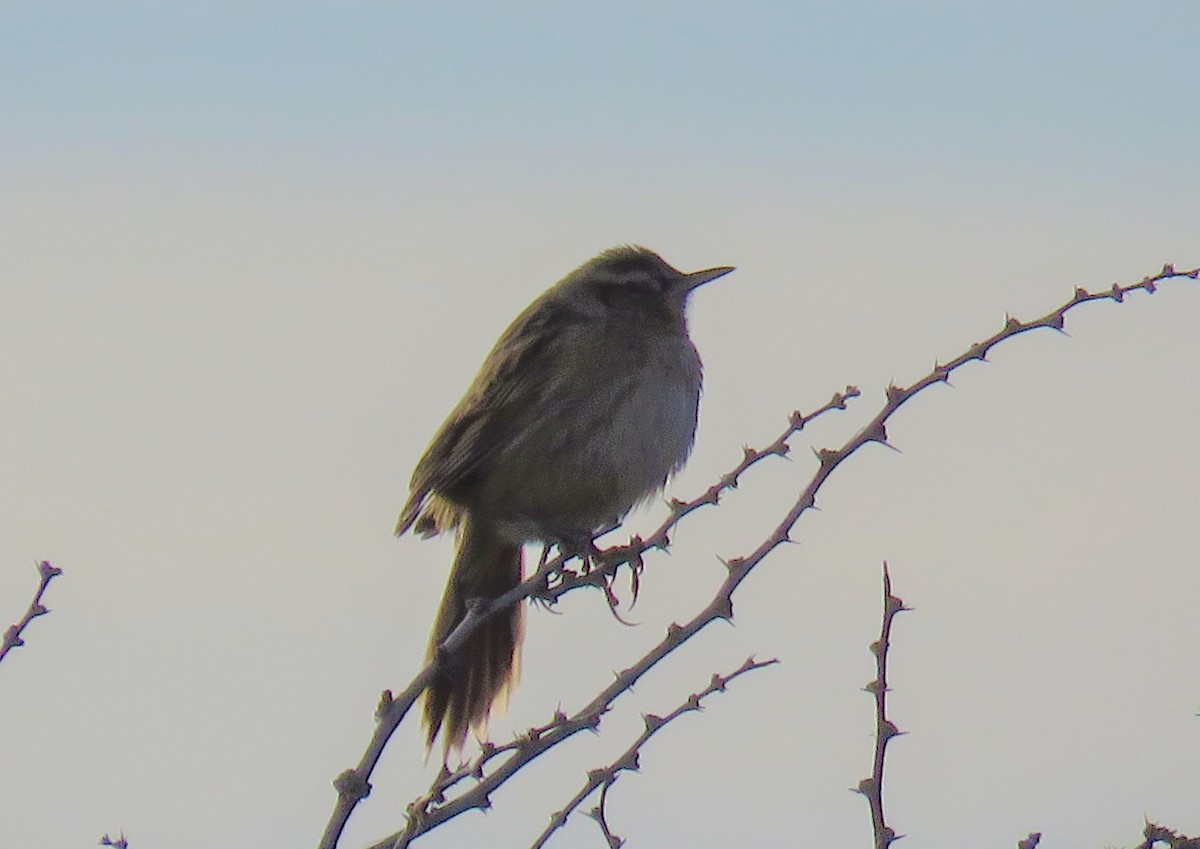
(606, 776)
(547, 584)
(496, 764)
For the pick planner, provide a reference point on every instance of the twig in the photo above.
(885, 729)
(433, 809)
(12, 637)
(1156, 834)
(605, 777)
(353, 785)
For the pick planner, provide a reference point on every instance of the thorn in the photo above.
(1081, 294)
(893, 392)
(827, 456)
(1118, 294)
(1011, 323)
(877, 433)
(1168, 268)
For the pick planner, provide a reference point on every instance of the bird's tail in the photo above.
(486, 669)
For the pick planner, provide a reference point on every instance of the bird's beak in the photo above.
(698, 278)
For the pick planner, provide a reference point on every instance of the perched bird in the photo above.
(584, 407)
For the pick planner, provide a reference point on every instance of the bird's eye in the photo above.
(649, 282)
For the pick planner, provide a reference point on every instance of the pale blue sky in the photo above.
(1031, 89)
(250, 255)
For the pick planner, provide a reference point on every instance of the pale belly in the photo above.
(598, 454)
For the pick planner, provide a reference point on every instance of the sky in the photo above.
(252, 254)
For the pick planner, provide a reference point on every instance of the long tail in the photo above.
(485, 671)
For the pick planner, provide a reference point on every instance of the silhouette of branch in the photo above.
(1155, 834)
(552, 580)
(548, 583)
(12, 637)
(606, 776)
(885, 729)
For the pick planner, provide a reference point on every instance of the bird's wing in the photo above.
(486, 419)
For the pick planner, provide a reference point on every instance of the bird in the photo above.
(585, 407)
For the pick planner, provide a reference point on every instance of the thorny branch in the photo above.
(1155, 834)
(353, 785)
(552, 580)
(12, 637)
(885, 729)
(605, 777)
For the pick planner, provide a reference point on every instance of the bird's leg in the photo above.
(580, 544)
(539, 597)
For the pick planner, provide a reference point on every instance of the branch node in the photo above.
(351, 786)
(827, 456)
(385, 704)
